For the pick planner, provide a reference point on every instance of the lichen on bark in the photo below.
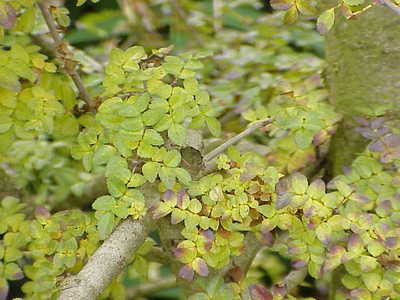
(363, 75)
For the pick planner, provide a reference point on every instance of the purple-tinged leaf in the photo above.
(186, 272)
(359, 294)
(283, 185)
(324, 233)
(299, 264)
(362, 121)
(331, 184)
(8, 16)
(360, 198)
(346, 171)
(179, 252)
(4, 289)
(325, 21)
(160, 210)
(309, 212)
(209, 236)
(278, 290)
(17, 276)
(378, 122)
(332, 130)
(259, 292)
(246, 176)
(355, 243)
(385, 205)
(376, 146)
(311, 225)
(392, 140)
(320, 137)
(337, 251)
(283, 201)
(177, 216)
(281, 4)
(168, 195)
(267, 239)
(335, 256)
(200, 266)
(42, 212)
(391, 242)
(182, 199)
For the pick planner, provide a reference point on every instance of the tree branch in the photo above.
(389, 4)
(212, 154)
(107, 262)
(146, 288)
(63, 52)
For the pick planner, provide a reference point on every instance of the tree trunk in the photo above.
(363, 56)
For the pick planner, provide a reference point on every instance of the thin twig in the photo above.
(208, 157)
(89, 64)
(146, 288)
(107, 262)
(63, 52)
(391, 5)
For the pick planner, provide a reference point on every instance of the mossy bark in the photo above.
(363, 56)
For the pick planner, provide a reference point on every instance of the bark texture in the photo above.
(363, 74)
(107, 262)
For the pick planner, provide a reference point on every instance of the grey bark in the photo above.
(107, 262)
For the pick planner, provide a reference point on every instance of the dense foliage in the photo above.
(221, 141)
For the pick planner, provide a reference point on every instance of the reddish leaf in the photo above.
(266, 237)
(200, 266)
(236, 274)
(259, 292)
(186, 272)
(8, 16)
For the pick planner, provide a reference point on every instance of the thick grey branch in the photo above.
(64, 54)
(107, 262)
(208, 157)
(391, 5)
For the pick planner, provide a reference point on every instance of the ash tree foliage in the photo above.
(178, 149)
